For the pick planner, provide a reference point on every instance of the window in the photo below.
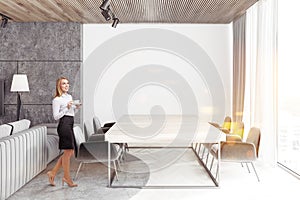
(288, 85)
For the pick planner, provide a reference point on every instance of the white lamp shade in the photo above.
(19, 83)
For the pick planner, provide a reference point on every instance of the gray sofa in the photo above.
(52, 141)
(24, 153)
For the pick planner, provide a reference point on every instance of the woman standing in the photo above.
(64, 110)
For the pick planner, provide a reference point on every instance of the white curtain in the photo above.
(239, 66)
(260, 107)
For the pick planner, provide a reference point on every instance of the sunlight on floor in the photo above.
(236, 184)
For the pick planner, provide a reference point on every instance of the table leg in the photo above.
(219, 163)
(108, 165)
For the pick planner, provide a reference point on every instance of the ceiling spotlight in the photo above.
(4, 20)
(115, 22)
(105, 5)
(106, 14)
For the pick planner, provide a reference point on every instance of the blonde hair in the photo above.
(58, 91)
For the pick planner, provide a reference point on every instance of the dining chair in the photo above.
(225, 128)
(236, 133)
(237, 130)
(240, 152)
(97, 125)
(98, 129)
(88, 132)
(94, 151)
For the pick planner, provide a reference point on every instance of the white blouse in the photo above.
(59, 106)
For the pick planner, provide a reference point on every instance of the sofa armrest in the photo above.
(25, 156)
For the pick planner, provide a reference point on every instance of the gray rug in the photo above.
(170, 167)
(92, 184)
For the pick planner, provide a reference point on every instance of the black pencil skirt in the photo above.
(66, 134)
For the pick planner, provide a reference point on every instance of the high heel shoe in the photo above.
(51, 178)
(69, 182)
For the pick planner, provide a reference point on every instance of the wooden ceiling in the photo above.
(128, 11)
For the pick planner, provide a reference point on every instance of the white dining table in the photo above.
(169, 131)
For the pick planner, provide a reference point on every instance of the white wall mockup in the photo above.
(164, 68)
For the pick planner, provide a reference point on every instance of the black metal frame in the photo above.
(199, 159)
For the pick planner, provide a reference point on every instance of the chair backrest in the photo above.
(227, 123)
(254, 138)
(79, 137)
(87, 131)
(96, 124)
(238, 129)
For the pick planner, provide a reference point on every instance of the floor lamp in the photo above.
(19, 84)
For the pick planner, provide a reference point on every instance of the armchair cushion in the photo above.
(238, 151)
(97, 137)
(233, 137)
(96, 150)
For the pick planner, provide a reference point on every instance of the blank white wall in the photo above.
(105, 66)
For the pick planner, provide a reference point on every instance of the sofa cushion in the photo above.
(50, 125)
(52, 131)
(20, 125)
(51, 128)
(52, 147)
(5, 130)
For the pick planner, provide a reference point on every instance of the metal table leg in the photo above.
(109, 157)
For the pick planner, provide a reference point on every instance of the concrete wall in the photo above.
(43, 51)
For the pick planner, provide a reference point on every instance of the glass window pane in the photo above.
(288, 85)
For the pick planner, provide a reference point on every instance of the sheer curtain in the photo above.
(261, 86)
(239, 68)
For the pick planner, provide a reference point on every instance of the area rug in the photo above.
(91, 180)
(140, 168)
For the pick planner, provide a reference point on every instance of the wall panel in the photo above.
(43, 51)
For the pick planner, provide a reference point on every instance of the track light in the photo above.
(108, 14)
(105, 5)
(4, 20)
(115, 22)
